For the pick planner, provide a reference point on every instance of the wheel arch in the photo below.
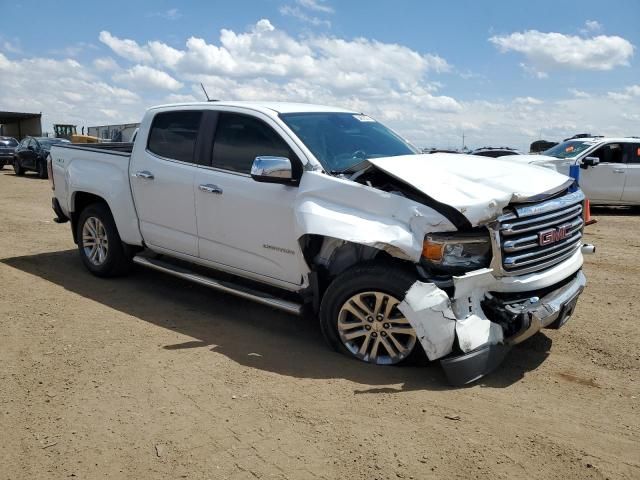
(327, 257)
(79, 201)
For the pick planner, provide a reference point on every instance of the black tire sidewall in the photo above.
(116, 260)
(41, 167)
(383, 277)
(17, 167)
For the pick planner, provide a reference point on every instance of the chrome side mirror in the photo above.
(589, 162)
(272, 170)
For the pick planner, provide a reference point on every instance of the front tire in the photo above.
(359, 314)
(17, 167)
(99, 243)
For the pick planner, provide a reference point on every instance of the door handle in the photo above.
(209, 188)
(146, 175)
(618, 170)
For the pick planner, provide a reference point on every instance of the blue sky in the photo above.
(501, 70)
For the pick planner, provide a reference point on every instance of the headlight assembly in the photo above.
(457, 251)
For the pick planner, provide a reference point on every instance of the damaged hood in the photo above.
(478, 187)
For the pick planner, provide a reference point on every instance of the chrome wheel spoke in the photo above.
(365, 345)
(391, 350)
(402, 330)
(352, 308)
(357, 301)
(356, 334)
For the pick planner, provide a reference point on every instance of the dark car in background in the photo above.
(7, 149)
(495, 152)
(31, 154)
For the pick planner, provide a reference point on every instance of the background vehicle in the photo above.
(495, 152)
(326, 208)
(69, 132)
(610, 167)
(31, 155)
(7, 149)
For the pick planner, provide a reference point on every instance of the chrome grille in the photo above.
(538, 236)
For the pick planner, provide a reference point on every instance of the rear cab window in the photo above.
(173, 135)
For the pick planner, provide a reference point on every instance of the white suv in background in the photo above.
(610, 167)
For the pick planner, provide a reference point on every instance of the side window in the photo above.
(240, 139)
(173, 135)
(634, 153)
(611, 153)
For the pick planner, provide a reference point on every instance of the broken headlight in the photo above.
(457, 251)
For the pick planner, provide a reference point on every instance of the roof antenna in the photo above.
(205, 92)
(207, 95)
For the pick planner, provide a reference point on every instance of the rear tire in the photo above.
(99, 244)
(359, 315)
(17, 167)
(42, 169)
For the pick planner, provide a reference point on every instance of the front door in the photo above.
(604, 182)
(244, 224)
(162, 178)
(631, 192)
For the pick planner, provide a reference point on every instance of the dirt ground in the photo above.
(150, 377)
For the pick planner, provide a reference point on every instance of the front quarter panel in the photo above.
(342, 209)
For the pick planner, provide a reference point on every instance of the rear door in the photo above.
(28, 153)
(162, 177)
(604, 182)
(243, 224)
(631, 192)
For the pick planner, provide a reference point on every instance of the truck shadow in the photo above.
(250, 334)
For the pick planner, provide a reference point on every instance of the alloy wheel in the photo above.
(373, 329)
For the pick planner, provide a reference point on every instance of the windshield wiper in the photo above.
(363, 164)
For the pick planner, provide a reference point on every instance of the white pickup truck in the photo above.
(303, 206)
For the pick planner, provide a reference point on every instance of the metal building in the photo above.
(20, 125)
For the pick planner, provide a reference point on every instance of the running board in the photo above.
(223, 286)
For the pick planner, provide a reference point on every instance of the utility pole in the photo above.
(463, 145)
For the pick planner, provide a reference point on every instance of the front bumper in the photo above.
(526, 318)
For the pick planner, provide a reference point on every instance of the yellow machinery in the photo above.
(70, 133)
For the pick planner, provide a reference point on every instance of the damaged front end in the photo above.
(471, 321)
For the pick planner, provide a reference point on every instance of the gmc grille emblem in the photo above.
(553, 235)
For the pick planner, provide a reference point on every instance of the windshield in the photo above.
(8, 142)
(568, 149)
(341, 141)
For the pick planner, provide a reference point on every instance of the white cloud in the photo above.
(171, 14)
(105, 64)
(128, 49)
(548, 51)
(527, 101)
(11, 46)
(316, 5)
(627, 94)
(142, 76)
(296, 12)
(579, 93)
(591, 26)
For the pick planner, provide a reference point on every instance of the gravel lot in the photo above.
(151, 377)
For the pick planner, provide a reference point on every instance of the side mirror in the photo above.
(30, 147)
(272, 170)
(589, 162)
